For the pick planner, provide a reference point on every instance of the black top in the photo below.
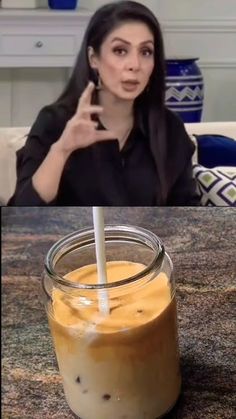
(101, 174)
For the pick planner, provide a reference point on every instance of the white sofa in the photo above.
(12, 139)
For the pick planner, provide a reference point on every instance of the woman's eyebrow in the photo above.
(127, 42)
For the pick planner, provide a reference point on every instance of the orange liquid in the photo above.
(124, 365)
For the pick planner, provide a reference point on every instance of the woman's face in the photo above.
(126, 60)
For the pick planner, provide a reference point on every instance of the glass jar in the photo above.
(122, 363)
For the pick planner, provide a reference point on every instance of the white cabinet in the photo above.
(23, 45)
(37, 50)
(41, 38)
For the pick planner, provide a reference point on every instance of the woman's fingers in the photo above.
(82, 131)
(75, 123)
(86, 97)
(90, 127)
(85, 109)
(86, 123)
(89, 110)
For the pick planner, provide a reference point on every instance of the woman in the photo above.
(108, 139)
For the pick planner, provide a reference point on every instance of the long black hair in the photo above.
(149, 106)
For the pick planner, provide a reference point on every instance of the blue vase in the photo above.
(184, 88)
(62, 4)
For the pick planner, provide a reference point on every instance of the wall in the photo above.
(180, 9)
(205, 28)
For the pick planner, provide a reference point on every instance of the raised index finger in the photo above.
(86, 97)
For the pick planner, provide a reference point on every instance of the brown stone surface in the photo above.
(201, 243)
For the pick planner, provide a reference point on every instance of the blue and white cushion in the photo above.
(216, 186)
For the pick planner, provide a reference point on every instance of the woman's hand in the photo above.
(81, 131)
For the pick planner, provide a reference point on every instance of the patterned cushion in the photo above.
(216, 150)
(217, 186)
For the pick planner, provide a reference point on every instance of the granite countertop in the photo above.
(201, 243)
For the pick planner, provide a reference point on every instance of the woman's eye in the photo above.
(119, 51)
(146, 52)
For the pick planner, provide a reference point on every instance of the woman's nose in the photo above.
(134, 62)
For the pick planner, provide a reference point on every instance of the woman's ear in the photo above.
(92, 57)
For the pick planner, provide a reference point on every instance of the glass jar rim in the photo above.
(140, 235)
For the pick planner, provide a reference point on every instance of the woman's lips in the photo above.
(130, 85)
